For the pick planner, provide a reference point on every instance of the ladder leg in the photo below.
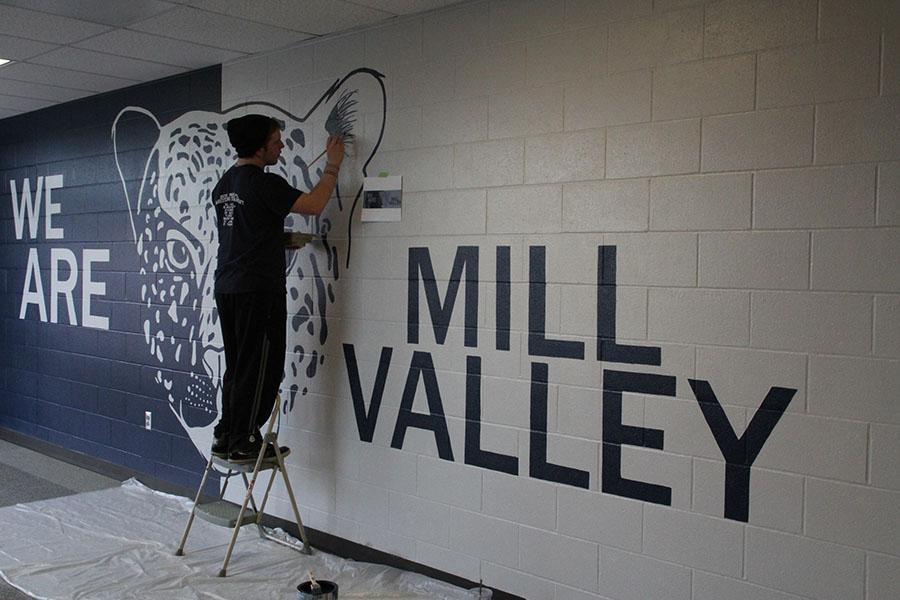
(225, 485)
(187, 529)
(287, 483)
(247, 498)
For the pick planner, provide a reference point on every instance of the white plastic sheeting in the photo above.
(119, 543)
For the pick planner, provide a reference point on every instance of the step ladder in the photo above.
(224, 513)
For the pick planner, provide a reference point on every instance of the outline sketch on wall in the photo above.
(174, 230)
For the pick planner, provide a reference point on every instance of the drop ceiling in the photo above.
(61, 50)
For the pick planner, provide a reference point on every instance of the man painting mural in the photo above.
(251, 205)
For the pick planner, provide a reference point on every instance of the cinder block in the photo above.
(890, 83)
(686, 429)
(489, 539)
(582, 409)
(776, 498)
(884, 456)
(618, 99)
(488, 164)
(699, 316)
(693, 540)
(816, 73)
(560, 558)
(459, 31)
(449, 482)
(525, 209)
(533, 111)
(449, 212)
(361, 502)
(804, 566)
(455, 122)
(754, 260)
(745, 25)
(335, 57)
(419, 82)
(497, 71)
(627, 576)
(582, 13)
(706, 87)
(856, 260)
(700, 202)
(667, 38)
(562, 157)
(811, 322)
(242, 78)
(603, 518)
(578, 306)
(423, 169)
(287, 68)
(887, 326)
(393, 43)
(765, 139)
(839, 18)
(840, 447)
(660, 468)
(882, 577)
(550, 58)
(606, 206)
(713, 587)
(814, 198)
(871, 383)
(388, 468)
(741, 377)
(387, 541)
(858, 131)
(668, 148)
(572, 452)
(420, 519)
(516, 582)
(520, 499)
(853, 515)
(655, 259)
(889, 194)
(514, 20)
(457, 563)
(564, 592)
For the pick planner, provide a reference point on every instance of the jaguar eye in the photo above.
(178, 251)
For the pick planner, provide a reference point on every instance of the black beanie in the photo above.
(249, 133)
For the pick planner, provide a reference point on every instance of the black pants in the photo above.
(247, 321)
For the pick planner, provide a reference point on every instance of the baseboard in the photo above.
(318, 539)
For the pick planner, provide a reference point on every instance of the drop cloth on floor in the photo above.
(119, 543)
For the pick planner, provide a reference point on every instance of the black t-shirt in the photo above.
(250, 209)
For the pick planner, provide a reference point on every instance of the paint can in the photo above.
(326, 590)
(481, 593)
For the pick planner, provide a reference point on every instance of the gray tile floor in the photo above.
(28, 476)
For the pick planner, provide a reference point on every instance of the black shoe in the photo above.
(250, 455)
(220, 447)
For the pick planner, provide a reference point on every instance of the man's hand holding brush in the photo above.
(314, 202)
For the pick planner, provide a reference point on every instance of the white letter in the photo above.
(27, 206)
(64, 287)
(37, 296)
(92, 288)
(52, 182)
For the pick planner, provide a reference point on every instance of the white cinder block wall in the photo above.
(743, 157)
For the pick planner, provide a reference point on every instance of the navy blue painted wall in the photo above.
(81, 388)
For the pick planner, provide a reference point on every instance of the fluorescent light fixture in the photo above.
(3, 61)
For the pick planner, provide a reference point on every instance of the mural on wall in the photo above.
(174, 231)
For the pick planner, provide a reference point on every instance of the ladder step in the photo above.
(224, 513)
(269, 463)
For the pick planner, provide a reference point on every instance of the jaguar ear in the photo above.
(141, 176)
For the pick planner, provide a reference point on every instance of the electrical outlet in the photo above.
(148, 420)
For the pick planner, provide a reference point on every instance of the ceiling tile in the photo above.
(221, 31)
(311, 16)
(45, 28)
(23, 104)
(16, 48)
(106, 64)
(40, 91)
(121, 14)
(135, 44)
(64, 78)
(406, 7)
